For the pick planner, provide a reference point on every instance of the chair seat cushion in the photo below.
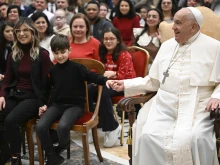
(116, 99)
(86, 117)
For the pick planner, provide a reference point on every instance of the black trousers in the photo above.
(109, 122)
(68, 115)
(16, 112)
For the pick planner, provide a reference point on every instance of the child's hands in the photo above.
(110, 74)
(42, 110)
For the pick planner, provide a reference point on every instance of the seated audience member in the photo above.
(214, 5)
(22, 7)
(44, 29)
(175, 127)
(168, 9)
(113, 10)
(3, 11)
(51, 6)
(27, 67)
(82, 44)
(13, 14)
(97, 25)
(118, 64)
(41, 6)
(143, 15)
(76, 6)
(142, 3)
(66, 102)
(6, 38)
(103, 11)
(189, 3)
(62, 4)
(147, 37)
(125, 20)
(31, 8)
(61, 26)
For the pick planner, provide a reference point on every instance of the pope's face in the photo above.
(182, 27)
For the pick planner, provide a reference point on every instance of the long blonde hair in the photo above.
(17, 52)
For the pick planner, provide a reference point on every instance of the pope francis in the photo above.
(174, 128)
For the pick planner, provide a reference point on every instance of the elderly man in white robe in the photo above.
(174, 128)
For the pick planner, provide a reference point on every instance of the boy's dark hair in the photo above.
(59, 42)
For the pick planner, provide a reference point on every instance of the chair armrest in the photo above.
(215, 115)
(127, 104)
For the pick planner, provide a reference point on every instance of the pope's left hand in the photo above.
(213, 104)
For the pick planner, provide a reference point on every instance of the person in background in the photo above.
(168, 8)
(143, 14)
(76, 6)
(125, 20)
(51, 6)
(67, 100)
(97, 25)
(113, 10)
(82, 44)
(13, 14)
(141, 3)
(118, 64)
(31, 8)
(44, 29)
(3, 11)
(6, 38)
(21, 6)
(103, 11)
(62, 4)
(147, 37)
(27, 67)
(41, 6)
(61, 26)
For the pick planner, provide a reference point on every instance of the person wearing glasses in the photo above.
(118, 64)
(168, 8)
(44, 29)
(61, 26)
(27, 66)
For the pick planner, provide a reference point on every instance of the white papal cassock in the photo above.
(173, 128)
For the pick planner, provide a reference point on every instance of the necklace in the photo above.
(166, 73)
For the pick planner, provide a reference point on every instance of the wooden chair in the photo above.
(88, 121)
(140, 61)
(127, 104)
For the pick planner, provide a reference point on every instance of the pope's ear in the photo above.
(195, 26)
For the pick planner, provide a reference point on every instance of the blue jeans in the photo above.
(67, 114)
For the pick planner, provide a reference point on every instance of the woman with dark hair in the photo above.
(147, 37)
(118, 64)
(125, 20)
(82, 44)
(13, 13)
(168, 8)
(44, 29)
(6, 38)
(20, 94)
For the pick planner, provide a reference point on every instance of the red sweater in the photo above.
(89, 49)
(123, 66)
(125, 26)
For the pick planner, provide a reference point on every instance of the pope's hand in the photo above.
(117, 85)
(213, 104)
(2, 103)
(42, 110)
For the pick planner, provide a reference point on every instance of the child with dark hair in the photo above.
(67, 98)
(119, 65)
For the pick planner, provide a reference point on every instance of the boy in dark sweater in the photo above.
(67, 98)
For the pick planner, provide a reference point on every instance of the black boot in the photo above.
(54, 159)
(16, 161)
(59, 149)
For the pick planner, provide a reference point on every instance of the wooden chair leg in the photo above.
(68, 150)
(86, 148)
(96, 143)
(122, 130)
(40, 151)
(30, 142)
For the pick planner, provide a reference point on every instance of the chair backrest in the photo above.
(140, 60)
(97, 67)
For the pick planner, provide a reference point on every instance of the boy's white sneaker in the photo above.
(111, 137)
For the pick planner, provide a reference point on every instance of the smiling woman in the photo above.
(13, 13)
(82, 44)
(27, 67)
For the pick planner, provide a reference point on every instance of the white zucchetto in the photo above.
(197, 14)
